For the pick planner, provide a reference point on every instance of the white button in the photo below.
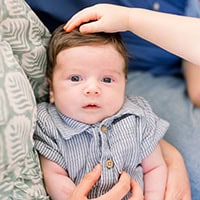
(156, 5)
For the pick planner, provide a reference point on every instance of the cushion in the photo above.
(23, 42)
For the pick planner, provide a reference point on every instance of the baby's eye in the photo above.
(75, 78)
(107, 80)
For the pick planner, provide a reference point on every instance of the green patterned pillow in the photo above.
(23, 41)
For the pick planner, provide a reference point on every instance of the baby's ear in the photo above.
(51, 96)
(51, 93)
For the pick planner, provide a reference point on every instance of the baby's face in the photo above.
(89, 83)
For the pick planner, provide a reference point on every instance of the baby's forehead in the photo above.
(94, 55)
(93, 46)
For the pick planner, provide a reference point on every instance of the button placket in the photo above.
(109, 163)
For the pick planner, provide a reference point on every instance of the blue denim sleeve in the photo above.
(193, 8)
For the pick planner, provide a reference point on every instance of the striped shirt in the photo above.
(119, 143)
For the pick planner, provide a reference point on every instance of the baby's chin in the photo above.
(91, 120)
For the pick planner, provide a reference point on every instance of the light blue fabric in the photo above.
(184, 131)
(193, 8)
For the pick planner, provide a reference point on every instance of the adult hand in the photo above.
(101, 18)
(178, 186)
(116, 193)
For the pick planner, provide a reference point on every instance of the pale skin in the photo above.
(177, 181)
(96, 78)
(192, 77)
(161, 29)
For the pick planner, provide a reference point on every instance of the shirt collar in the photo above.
(69, 127)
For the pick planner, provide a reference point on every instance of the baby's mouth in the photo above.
(91, 106)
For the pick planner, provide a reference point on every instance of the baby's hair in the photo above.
(61, 40)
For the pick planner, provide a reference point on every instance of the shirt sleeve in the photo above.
(45, 136)
(152, 128)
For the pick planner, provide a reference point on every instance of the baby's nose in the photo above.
(92, 89)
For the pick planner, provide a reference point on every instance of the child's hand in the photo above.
(101, 18)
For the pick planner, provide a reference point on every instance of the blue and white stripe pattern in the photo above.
(125, 139)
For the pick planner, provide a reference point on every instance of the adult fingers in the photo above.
(119, 190)
(82, 189)
(137, 192)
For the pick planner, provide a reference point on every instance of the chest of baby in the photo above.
(113, 147)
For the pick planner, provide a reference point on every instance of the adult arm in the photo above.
(155, 175)
(178, 186)
(174, 33)
(192, 77)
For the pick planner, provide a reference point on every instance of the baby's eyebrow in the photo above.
(113, 71)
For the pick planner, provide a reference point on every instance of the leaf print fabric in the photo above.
(23, 42)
